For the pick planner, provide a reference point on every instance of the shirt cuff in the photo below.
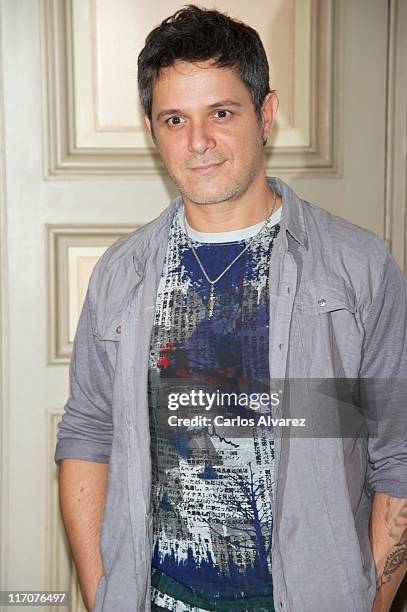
(76, 449)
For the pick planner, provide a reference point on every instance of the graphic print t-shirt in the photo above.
(212, 485)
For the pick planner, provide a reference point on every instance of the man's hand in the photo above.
(82, 492)
(388, 539)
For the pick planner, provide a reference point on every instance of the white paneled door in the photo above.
(77, 170)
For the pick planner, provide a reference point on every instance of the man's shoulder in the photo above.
(340, 248)
(121, 266)
(130, 249)
(342, 242)
(324, 230)
(341, 233)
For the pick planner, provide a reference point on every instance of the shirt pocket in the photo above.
(325, 295)
(109, 336)
(326, 320)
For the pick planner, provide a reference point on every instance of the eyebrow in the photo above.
(225, 103)
(178, 111)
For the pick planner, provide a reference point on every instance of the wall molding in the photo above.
(63, 158)
(396, 134)
(395, 226)
(4, 343)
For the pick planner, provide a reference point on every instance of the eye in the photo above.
(222, 114)
(173, 121)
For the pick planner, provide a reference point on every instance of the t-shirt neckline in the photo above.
(230, 236)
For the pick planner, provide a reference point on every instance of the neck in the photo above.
(251, 207)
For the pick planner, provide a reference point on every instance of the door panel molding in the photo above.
(309, 144)
(72, 251)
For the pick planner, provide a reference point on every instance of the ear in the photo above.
(268, 112)
(147, 122)
(149, 127)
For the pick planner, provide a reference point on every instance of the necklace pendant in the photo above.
(211, 302)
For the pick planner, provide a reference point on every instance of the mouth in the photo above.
(206, 167)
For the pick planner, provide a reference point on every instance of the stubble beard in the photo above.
(234, 191)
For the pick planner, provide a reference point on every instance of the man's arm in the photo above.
(82, 492)
(85, 435)
(384, 376)
(388, 539)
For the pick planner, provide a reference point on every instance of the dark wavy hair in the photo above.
(195, 34)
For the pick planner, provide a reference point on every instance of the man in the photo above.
(238, 286)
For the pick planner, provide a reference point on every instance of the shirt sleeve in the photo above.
(86, 429)
(383, 375)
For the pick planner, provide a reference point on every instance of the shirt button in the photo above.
(322, 302)
(118, 329)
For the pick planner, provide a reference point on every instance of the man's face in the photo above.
(207, 131)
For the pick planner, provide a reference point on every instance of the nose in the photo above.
(200, 138)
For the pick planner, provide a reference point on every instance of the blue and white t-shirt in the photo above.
(212, 491)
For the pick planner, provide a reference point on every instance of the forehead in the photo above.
(197, 82)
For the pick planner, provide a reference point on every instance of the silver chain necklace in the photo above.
(212, 298)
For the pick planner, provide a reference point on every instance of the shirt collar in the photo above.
(292, 213)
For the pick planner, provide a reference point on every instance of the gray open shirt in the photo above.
(338, 310)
